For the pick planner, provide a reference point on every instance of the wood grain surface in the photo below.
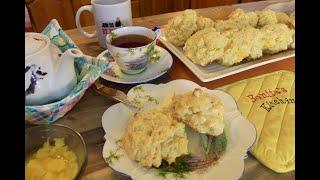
(85, 117)
(196, 4)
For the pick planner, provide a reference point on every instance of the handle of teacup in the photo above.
(157, 31)
(79, 27)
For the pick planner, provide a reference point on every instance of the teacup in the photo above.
(132, 60)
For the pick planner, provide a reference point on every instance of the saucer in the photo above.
(153, 70)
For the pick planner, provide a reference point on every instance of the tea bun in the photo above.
(201, 111)
(154, 135)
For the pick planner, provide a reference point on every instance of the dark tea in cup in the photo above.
(131, 41)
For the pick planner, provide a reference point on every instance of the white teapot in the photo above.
(49, 74)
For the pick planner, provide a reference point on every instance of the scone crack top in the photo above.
(199, 110)
(153, 136)
(182, 27)
(205, 46)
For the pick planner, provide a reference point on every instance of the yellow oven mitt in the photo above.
(268, 102)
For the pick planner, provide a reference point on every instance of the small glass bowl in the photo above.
(36, 136)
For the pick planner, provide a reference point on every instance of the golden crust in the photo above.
(205, 46)
(229, 47)
(181, 27)
(204, 22)
(277, 37)
(243, 43)
(292, 19)
(237, 19)
(241, 36)
(267, 17)
(293, 44)
(244, 19)
(201, 111)
(283, 18)
(154, 135)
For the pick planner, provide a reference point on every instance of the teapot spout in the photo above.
(73, 53)
(66, 62)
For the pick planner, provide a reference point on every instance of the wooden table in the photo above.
(85, 117)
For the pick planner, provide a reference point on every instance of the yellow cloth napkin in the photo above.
(268, 102)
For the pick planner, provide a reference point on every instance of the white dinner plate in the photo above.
(241, 134)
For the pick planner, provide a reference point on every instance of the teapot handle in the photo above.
(157, 30)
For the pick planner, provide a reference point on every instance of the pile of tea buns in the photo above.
(243, 35)
(159, 134)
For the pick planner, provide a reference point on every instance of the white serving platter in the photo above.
(216, 71)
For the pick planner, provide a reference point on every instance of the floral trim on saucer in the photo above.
(160, 62)
(140, 98)
(115, 70)
(113, 156)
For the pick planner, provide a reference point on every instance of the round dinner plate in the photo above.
(241, 133)
(153, 70)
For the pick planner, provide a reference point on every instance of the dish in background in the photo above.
(162, 62)
(216, 71)
(242, 36)
(209, 70)
(36, 136)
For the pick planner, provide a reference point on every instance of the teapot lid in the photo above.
(34, 43)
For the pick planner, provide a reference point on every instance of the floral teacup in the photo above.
(132, 60)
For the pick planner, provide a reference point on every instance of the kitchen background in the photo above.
(40, 12)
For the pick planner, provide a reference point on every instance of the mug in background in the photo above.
(108, 15)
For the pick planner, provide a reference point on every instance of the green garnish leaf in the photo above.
(112, 156)
(150, 98)
(213, 145)
(219, 144)
(136, 88)
(136, 101)
(163, 173)
(179, 168)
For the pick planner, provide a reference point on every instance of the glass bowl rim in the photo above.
(85, 159)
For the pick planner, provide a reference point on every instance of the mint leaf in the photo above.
(179, 168)
(219, 143)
